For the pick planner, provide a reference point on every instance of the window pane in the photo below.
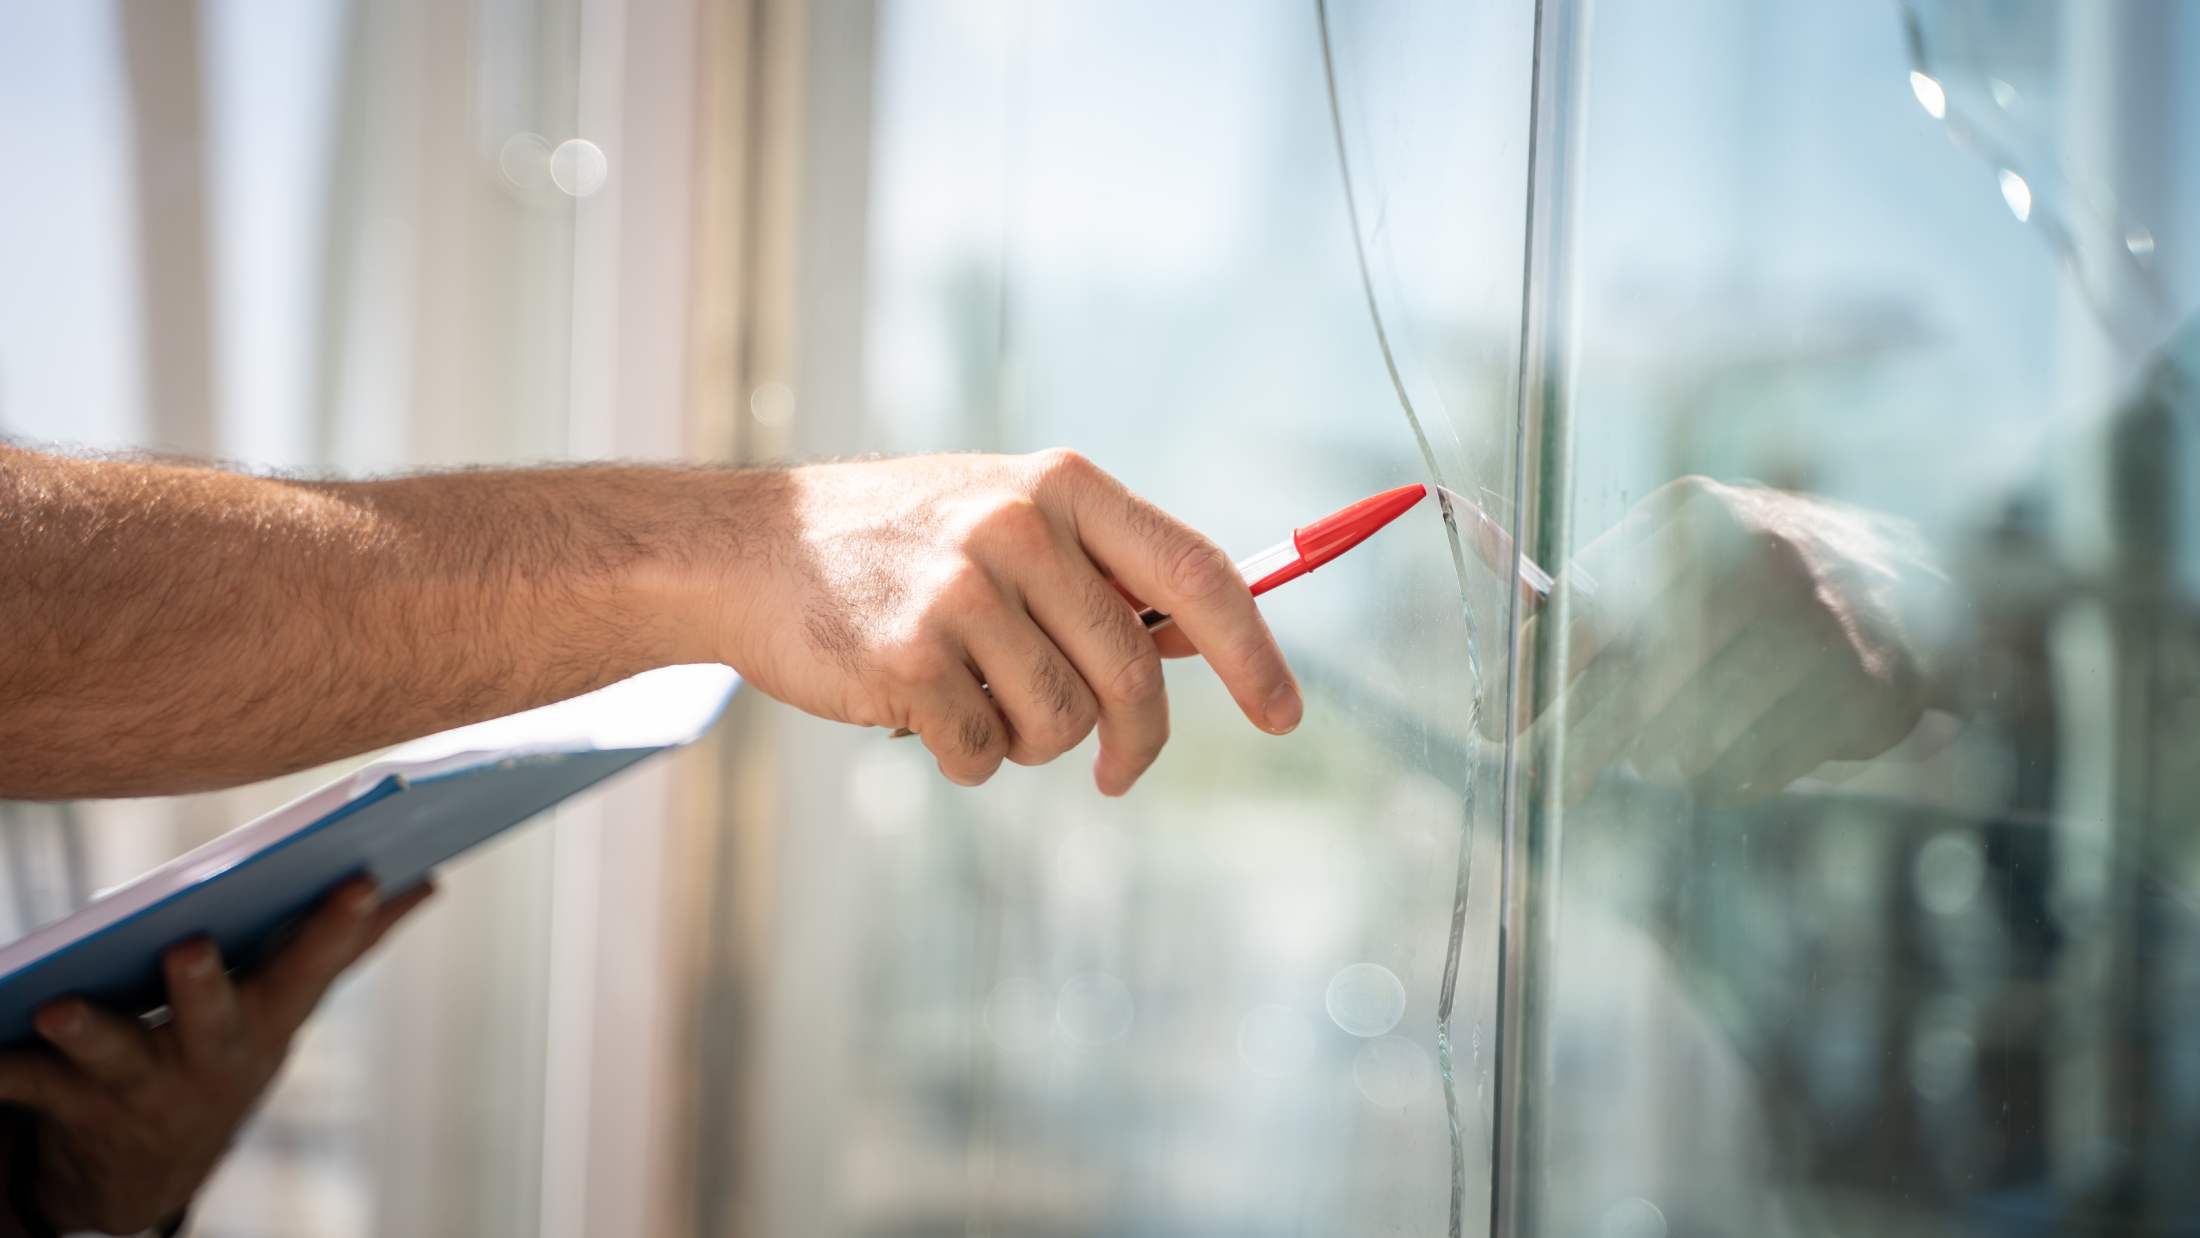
(1859, 782)
(1212, 1006)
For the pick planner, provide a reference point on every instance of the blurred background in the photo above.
(1259, 260)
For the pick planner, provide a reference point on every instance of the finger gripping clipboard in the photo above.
(394, 819)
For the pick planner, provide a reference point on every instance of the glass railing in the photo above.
(1253, 996)
(1862, 872)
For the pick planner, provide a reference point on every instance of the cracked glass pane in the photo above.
(1221, 1004)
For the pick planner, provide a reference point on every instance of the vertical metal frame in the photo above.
(1528, 884)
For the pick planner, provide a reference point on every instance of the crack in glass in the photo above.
(1454, 944)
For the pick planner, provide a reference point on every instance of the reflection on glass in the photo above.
(1860, 789)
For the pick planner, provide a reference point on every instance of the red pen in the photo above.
(1341, 530)
(1312, 545)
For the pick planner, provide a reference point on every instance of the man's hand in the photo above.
(1737, 637)
(889, 591)
(129, 1120)
(173, 628)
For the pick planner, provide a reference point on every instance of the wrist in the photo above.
(714, 534)
(640, 574)
(667, 597)
(679, 584)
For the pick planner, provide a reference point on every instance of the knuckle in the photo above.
(1068, 717)
(1694, 486)
(1146, 522)
(947, 677)
(966, 586)
(969, 747)
(1703, 498)
(1196, 570)
(1138, 681)
(1060, 464)
(976, 736)
(1017, 527)
(1069, 707)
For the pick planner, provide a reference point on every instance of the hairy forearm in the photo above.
(168, 628)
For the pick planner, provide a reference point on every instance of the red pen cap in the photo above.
(1345, 528)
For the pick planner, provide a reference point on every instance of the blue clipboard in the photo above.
(395, 819)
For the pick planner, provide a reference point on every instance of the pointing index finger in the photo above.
(1175, 570)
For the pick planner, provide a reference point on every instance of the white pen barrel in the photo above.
(1274, 559)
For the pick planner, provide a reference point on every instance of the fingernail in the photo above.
(63, 1021)
(199, 963)
(361, 901)
(1284, 708)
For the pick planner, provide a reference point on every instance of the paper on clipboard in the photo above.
(395, 818)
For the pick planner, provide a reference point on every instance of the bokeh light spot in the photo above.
(1930, 95)
(578, 167)
(1366, 999)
